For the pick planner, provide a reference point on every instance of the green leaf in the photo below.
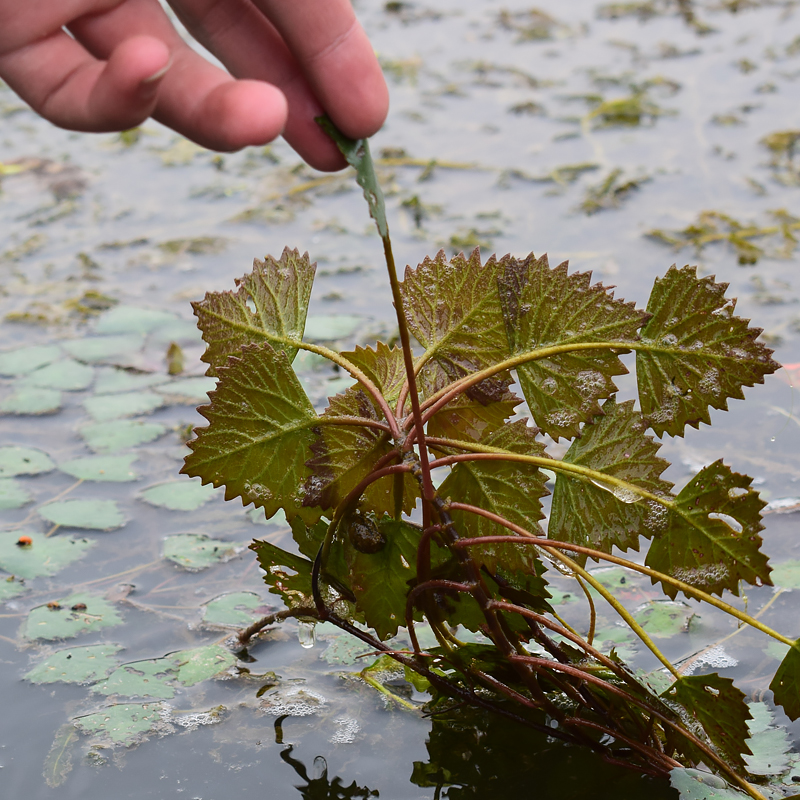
(10, 586)
(23, 461)
(66, 618)
(785, 685)
(384, 366)
(149, 678)
(99, 515)
(201, 663)
(453, 309)
(179, 495)
(196, 551)
(697, 353)
(712, 536)
(769, 745)
(116, 469)
(694, 784)
(270, 305)
(380, 580)
(330, 327)
(191, 390)
(44, 556)
(105, 407)
(111, 380)
(12, 494)
(786, 574)
(549, 308)
(131, 319)
(23, 360)
(30, 401)
(104, 348)
(719, 707)
(597, 513)
(76, 665)
(357, 155)
(65, 374)
(233, 610)
(120, 434)
(664, 618)
(286, 574)
(343, 455)
(260, 432)
(124, 723)
(58, 763)
(510, 489)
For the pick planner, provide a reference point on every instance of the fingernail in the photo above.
(157, 76)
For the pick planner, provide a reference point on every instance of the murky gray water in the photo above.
(496, 137)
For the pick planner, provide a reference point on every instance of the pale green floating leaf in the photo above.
(123, 724)
(103, 348)
(337, 386)
(26, 359)
(131, 319)
(58, 763)
(65, 619)
(770, 746)
(120, 434)
(277, 520)
(115, 469)
(181, 331)
(194, 390)
(150, 678)
(111, 380)
(329, 327)
(76, 665)
(234, 610)
(31, 401)
(345, 650)
(129, 404)
(776, 649)
(13, 494)
(184, 495)
(98, 515)
(786, 575)
(196, 551)
(66, 375)
(202, 663)
(23, 461)
(44, 556)
(664, 618)
(10, 586)
(692, 784)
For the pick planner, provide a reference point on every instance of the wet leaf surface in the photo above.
(76, 665)
(99, 515)
(183, 495)
(65, 375)
(13, 494)
(103, 408)
(27, 401)
(235, 609)
(24, 461)
(67, 617)
(196, 551)
(24, 360)
(121, 434)
(116, 469)
(43, 556)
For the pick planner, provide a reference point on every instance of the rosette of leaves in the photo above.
(377, 548)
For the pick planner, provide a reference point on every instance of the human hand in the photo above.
(106, 65)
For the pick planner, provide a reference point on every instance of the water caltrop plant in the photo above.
(380, 548)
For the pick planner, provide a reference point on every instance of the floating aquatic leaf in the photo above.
(99, 515)
(103, 348)
(76, 665)
(65, 374)
(10, 586)
(58, 763)
(127, 404)
(698, 354)
(68, 617)
(101, 468)
(131, 319)
(30, 401)
(692, 784)
(599, 514)
(180, 495)
(331, 327)
(785, 685)
(26, 359)
(201, 664)
(23, 461)
(43, 556)
(232, 610)
(344, 650)
(270, 305)
(546, 309)
(147, 678)
(111, 380)
(182, 331)
(786, 574)
(196, 551)
(664, 618)
(13, 494)
(194, 390)
(123, 724)
(261, 428)
(770, 746)
(120, 434)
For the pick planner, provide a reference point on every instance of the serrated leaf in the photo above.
(698, 354)
(270, 305)
(453, 309)
(43, 556)
(287, 574)
(380, 580)
(719, 707)
(343, 455)
(76, 665)
(67, 618)
(785, 685)
(769, 745)
(98, 515)
(712, 536)
(260, 432)
(599, 514)
(512, 490)
(548, 308)
(384, 366)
